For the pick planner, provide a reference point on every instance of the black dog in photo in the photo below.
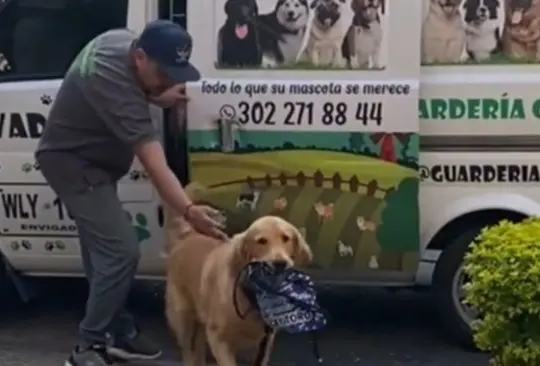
(482, 28)
(238, 38)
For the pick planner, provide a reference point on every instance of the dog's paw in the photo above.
(354, 63)
(339, 62)
(268, 63)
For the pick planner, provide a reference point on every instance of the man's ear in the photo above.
(302, 252)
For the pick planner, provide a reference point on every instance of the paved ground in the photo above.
(372, 328)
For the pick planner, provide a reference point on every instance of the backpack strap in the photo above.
(263, 353)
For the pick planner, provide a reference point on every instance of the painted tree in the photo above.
(356, 141)
(388, 144)
(400, 228)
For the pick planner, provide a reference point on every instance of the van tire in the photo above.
(444, 292)
(8, 293)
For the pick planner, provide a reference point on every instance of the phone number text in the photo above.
(309, 113)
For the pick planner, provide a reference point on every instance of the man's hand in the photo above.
(175, 95)
(204, 220)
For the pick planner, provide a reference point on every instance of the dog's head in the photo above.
(516, 9)
(292, 14)
(481, 10)
(241, 13)
(450, 8)
(368, 9)
(327, 12)
(273, 240)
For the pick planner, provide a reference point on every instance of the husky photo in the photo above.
(300, 34)
(481, 32)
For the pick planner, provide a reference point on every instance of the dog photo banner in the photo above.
(301, 34)
(485, 32)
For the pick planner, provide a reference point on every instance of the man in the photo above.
(99, 121)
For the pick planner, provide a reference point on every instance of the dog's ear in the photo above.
(228, 7)
(302, 254)
(470, 11)
(355, 6)
(383, 6)
(313, 4)
(242, 249)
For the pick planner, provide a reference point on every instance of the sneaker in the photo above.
(134, 348)
(95, 355)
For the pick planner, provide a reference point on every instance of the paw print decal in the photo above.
(46, 99)
(140, 224)
(27, 167)
(26, 245)
(136, 175)
(49, 246)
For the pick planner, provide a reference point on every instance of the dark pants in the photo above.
(110, 255)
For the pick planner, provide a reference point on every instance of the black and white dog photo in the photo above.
(238, 38)
(283, 31)
(482, 31)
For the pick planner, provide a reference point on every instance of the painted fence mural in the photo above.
(352, 208)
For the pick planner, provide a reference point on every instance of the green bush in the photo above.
(503, 269)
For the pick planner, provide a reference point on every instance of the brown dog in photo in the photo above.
(443, 33)
(362, 44)
(521, 34)
(202, 277)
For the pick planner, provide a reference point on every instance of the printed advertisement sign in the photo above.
(494, 104)
(285, 36)
(297, 105)
(470, 32)
(304, 113)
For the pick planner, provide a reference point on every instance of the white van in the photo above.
(389, 156)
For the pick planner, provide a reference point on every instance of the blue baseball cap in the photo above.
(169, 45)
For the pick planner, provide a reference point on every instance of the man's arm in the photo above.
(153, 159)
(123, 107)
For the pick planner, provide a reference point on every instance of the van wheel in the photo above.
(8, 293)
(448, 293)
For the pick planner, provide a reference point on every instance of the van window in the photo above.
(40, 38)
(174, 10)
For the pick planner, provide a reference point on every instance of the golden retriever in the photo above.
(443, 33)
(202, 275)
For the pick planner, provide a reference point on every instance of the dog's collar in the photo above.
(361, 21)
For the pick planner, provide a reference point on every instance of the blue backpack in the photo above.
(286, 300)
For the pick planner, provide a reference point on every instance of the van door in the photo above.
(283, 124)
(38, 41)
